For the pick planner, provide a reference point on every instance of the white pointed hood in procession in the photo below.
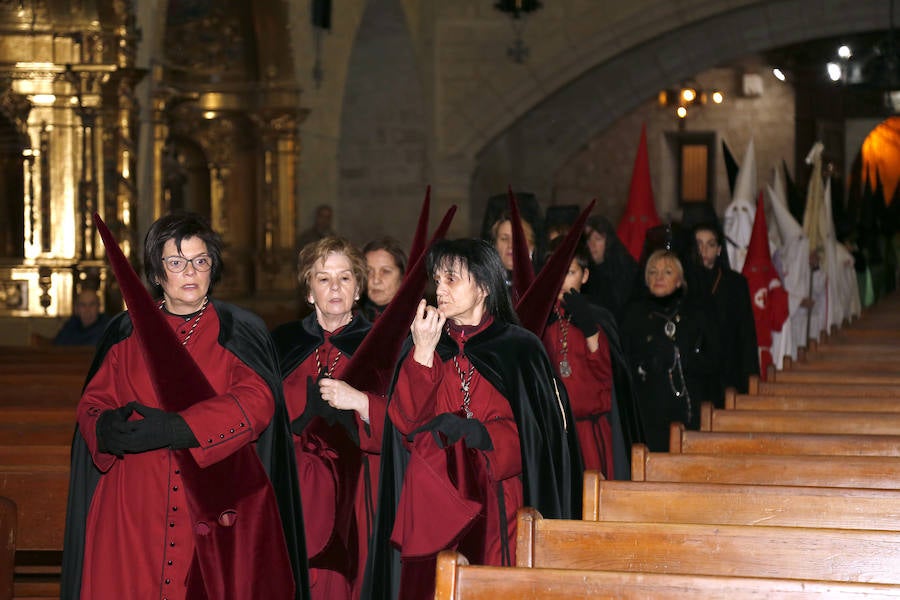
(739, 214)
(793, 262)
(842, 284)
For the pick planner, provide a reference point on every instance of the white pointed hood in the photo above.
(739, 214)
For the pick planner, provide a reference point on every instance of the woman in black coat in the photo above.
(672, 350)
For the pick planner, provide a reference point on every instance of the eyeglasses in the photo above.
(177, 264)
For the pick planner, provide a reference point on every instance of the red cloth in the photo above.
(315, 467)
(640, 212)
(139, 512)
(421, 393)
(590, 392)
(768, 297)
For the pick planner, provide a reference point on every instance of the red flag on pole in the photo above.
(640, 213)
(769, 300)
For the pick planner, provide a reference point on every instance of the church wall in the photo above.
(602, 167)
(382, 155)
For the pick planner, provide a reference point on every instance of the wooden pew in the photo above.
(783, 421)
(755, 386)
(735, 401)
(8, 528)
(703, 549)
(457, 580)
(733, 504)
(685, 441)
(857, 363)
(875, 472)
(37, 478)
(823, 376)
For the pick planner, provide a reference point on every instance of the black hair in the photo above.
(179, 226)
(483, 264)
(582, 255)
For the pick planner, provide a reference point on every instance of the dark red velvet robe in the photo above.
(138, 536)
(317, 483)
(590, 392)
(421, 393)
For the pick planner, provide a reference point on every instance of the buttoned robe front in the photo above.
(139, 535)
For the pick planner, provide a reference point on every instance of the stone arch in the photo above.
(382, 153)
(603, 87)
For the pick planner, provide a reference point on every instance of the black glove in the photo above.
(110, 430)
(317, 407)
(579, 310)
(455, 428)
(158, 429)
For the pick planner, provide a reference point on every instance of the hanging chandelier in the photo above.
(518, 10)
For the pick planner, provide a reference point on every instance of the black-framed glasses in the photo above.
(177, 264)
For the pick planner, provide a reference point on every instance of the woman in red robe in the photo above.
(139, 537)
(337, 428)
(473, 385)
(579, 350)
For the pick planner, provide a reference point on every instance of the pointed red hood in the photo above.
(418, 243)
(534, 307)
(640, 213)
(372, 365)
(523, 269)
(767, 295)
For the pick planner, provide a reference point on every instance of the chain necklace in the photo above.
(670, 321)
(465, 381)
(680, 391)
(327, 373)
(565, 369)
(196, 320)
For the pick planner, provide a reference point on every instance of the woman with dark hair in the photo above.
(472, 388)
(613, 271)
(129, 529)
(728, 294)
(386, 263)
(337, 428)
(672, 349)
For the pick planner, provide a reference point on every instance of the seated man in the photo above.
(85, 327)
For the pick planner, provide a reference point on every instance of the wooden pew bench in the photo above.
(686, 441)
(32, 391)
(784, 421)
(874, 472)
(735, 401)
(827, 376)
(734, 504)
(848, 555)
(863, 363)
(40, 426)
(37, 478)
(457, 580)
(781, 388)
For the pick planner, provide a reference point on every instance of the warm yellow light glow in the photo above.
(688, 94)
(718, 97)
(681, 112)
(662, 98)
(126, 170)
(779, 74)
(43, 99)
(209, 114)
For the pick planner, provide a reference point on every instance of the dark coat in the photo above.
(659, 382)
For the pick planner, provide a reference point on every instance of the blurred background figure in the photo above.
(613, 271)
(85, 327)
(386, 264)
(321, 227)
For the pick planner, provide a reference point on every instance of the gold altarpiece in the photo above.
(224, 123)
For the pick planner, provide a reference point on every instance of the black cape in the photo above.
(624, 416)
(243, 334)
(513, 360)
(724, 293)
